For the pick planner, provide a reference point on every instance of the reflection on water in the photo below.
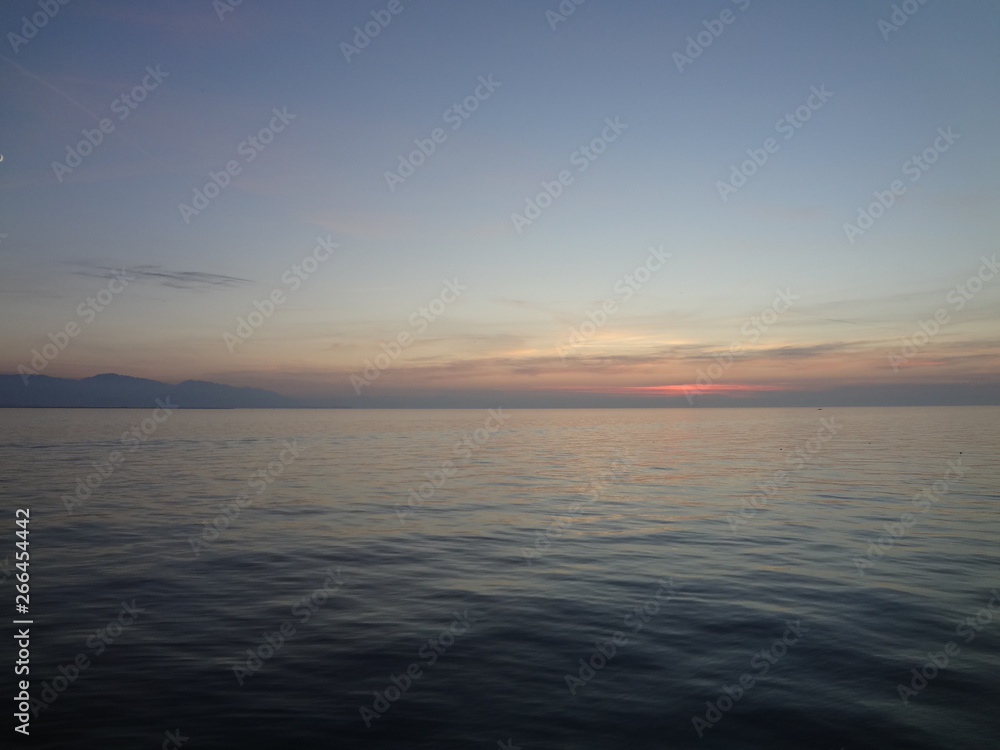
(563, 578)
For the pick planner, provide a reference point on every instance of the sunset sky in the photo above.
(756, 290)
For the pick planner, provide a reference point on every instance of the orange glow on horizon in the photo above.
(680, 389)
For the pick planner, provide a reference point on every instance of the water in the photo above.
(551, 534)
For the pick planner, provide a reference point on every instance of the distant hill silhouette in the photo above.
(111, 391)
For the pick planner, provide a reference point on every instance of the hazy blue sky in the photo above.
(208, 84)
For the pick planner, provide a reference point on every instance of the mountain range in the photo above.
(112, 391)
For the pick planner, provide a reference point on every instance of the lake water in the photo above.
(655, 578)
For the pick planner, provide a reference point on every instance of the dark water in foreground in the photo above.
(562, 535)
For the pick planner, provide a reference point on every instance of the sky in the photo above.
(463, 203)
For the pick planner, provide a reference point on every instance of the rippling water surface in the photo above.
(717, 578)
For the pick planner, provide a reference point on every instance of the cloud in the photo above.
(169, 278)
(521, 304)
